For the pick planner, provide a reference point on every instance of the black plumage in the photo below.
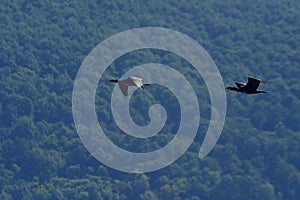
(251, 87)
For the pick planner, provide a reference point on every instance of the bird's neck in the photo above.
(233, 88)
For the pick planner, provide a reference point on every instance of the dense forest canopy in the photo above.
(42, 45)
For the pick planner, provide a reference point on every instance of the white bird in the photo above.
(130, 81)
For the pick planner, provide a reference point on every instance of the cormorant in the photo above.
(249, 88)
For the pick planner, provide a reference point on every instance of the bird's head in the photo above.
(114, 80)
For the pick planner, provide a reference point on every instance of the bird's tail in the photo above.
(146, 84)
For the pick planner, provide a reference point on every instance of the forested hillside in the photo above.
(42, 45)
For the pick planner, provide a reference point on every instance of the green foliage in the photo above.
(42, 45)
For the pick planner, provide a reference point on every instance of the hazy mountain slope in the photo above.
(42, 45)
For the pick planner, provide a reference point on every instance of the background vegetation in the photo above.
(42, 45)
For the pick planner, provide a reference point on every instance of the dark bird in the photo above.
(249, 88)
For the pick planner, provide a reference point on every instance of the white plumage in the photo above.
(130, 81)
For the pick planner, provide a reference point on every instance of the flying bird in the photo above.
(130, 81)
(248, 88)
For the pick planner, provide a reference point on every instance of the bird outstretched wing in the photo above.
(137, 81)
(252, 84)
(124, 89)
